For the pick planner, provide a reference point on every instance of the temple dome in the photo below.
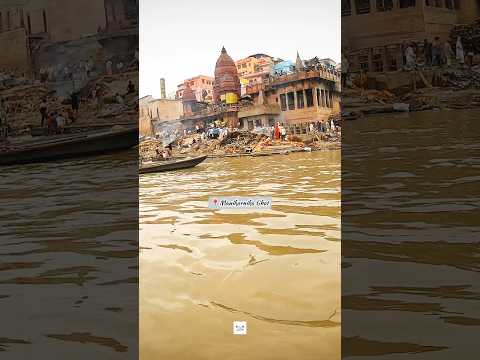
(226, 77)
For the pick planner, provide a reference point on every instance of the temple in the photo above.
(296, 96)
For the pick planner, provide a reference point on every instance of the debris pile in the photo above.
(22, 104)
(150, 149)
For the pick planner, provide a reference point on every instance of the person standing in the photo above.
(427, 51)
(130, 87)
(277, 131)
(75, 102)
(52, 123)
(410, 57)
(108, 67)
(60, 119)
(447, 53)
(43, 111)
(436, 52)
(283, 132)
(460, 55)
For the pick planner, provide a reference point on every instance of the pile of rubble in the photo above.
(150, 149)
(461, 78)
(246, 142)
(22, 104)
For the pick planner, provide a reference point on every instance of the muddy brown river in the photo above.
(69, 259)
(277, 269)
(410, 236)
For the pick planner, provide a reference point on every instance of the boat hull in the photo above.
(170, 166)
(77, 147)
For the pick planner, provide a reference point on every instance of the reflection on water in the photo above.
(277, 269)
(410, 236)
(69, 259)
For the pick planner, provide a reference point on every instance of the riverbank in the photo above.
(449, 88)
(240, 144)
(22, 104)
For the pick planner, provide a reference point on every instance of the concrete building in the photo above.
(153, 113)
(201, 85)
(254, 69)
(295, 100)
(374, 31)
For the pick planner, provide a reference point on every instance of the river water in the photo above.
(410, 236)
(277, 269)
(69, 259)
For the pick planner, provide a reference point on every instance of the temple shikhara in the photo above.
(251, 94)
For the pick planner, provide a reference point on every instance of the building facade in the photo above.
(374, 30)
(201, 85)
(295, 100)
(26, 24)
(155, 112)
(254, 69)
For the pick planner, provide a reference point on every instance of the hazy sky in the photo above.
(183, 38)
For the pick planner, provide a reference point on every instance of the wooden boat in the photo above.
(176, 164)
(65, 147)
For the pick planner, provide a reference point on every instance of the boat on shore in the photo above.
(170, 165)
(65, 147)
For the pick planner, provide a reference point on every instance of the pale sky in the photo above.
(180, 39)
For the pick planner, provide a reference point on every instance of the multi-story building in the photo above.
(201, 85)
(254, 69)
(296, 100)
(374, 31)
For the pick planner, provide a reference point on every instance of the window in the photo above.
(8, 20)
(309, 96)
(283, 102)
(346, 7)
(384, 5)
(250, 124)
(203, 81)
(258, 123)
(362, 6)
(241, 123)
(407, 3)
(300, 102)
(271, 122)
(291, 100)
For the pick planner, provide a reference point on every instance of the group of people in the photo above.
(278, 132)
(435, 53)
(55, 121)
(82, 69)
